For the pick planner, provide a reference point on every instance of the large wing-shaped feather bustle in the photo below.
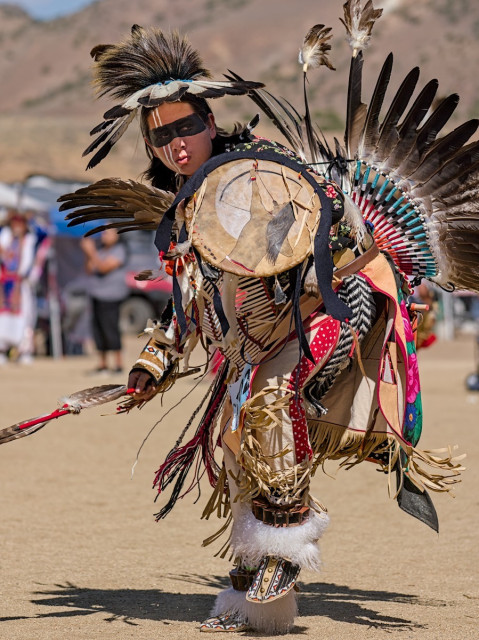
(413, 178)
(417, 186)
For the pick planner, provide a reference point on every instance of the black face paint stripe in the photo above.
(181, 128)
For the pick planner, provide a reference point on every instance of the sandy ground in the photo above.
(82, 557)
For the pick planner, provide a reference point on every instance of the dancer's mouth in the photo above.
(183, 159)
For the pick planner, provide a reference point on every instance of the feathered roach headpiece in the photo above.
(146, 70)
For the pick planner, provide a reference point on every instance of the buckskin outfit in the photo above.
(267, 402)
(294, 265)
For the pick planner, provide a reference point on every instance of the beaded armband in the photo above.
(154, 359)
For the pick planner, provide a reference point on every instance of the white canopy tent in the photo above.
(13, 197)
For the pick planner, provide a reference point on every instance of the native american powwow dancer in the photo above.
(296, 265)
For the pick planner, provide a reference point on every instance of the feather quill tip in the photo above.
(359, 22)
(315, 50)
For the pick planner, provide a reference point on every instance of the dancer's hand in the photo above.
(143, 384)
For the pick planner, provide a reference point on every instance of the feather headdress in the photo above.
(147, 69)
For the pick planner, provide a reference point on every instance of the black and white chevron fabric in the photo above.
(357, 294)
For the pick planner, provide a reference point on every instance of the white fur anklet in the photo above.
(275, 617)
(251, 540)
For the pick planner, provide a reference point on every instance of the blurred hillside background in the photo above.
(48, 106)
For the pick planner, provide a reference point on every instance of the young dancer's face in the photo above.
(179, 137)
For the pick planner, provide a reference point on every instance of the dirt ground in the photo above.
(82, 557)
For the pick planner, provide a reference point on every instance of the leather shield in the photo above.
(254, 218)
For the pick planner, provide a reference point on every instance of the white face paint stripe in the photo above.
(167, 148)
(169, 154)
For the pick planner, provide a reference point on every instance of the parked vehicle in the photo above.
(147, 298)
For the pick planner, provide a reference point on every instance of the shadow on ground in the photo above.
(337, 602)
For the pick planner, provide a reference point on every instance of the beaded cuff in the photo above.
(153, 359)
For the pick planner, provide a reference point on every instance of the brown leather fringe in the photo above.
(449, 465)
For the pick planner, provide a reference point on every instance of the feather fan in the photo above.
(125, 205)
(72, 404)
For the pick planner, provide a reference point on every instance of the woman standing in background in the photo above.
(107, 290)
(17, 255)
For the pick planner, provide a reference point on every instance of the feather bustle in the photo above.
(427, 134)
(388, 132)
(418, 187)
(370, 134)
(443, 151)
(356, 109)
(407, 130)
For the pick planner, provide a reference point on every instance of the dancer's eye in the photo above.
(181, 128)
(190, 126)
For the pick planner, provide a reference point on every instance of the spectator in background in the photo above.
(17, 307)
(107, 290)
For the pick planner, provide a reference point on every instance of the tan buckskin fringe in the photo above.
(256, 476)
(333, 442)
(219, 501)
(450, 466)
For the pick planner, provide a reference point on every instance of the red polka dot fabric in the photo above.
(324, 335)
